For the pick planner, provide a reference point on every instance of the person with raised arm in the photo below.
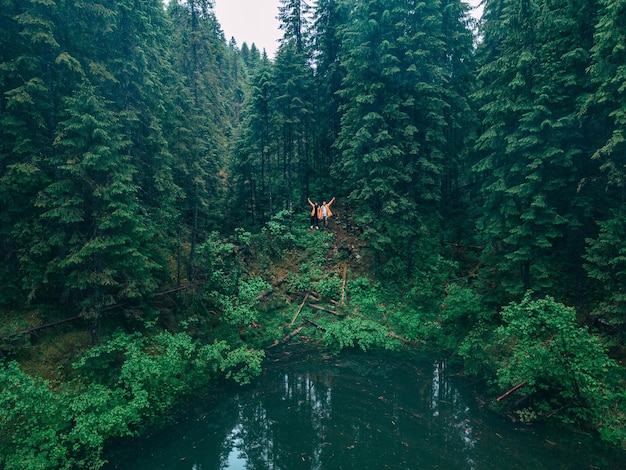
(325, 211)
(315, 213)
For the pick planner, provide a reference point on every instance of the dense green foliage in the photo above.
(563, 369)
(120, 387)
(534, 152)
(154, 183)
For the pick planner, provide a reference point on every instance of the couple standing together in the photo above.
(320, 212)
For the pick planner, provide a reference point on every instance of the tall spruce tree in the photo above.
(331, 17)
(143, 70)
(534, 57)
(294, 21)
(461, 120)
(293, 79)
(392, 136)
(253, 200)
(29, 79)
(101, 232)
(198, 51)
(608, 106)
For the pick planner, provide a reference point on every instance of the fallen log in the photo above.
(292, 334)
(263, 295)
(299, 309)
(78, 317)
(174, 289)
(400, 338)
(41, 327)
(312, 294)
(517, 387)
(319, 327)
(343, 284)
(317, 307)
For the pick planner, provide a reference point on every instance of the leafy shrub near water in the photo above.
(120, 386)
(565, 370)
(461, 310)
(241, 308)
(355, 331)
(364, 326)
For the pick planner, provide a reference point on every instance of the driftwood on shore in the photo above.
(517, 387)
(292, 334)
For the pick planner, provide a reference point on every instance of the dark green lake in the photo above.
(358, 411)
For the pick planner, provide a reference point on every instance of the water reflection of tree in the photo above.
(310, 420)
(448, 405)
(285, 429)
(356, 412)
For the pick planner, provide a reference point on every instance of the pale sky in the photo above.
(254, 21)
(250, 21)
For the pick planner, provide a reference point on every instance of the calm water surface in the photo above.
(358, 411)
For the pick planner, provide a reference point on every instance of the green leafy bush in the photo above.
(120, 386)
(329, 286)
(461, 309)
(241, 308)
(358, 332)
(222, 260)
(565, 370)
(316, 243)
(32, 422)
(416, 324)
(366, 297)
(277, 236)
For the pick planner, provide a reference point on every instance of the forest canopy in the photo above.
(154, 180)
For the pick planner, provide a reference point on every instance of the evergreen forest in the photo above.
(155, 232)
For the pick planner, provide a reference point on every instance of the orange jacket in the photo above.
(320, 212)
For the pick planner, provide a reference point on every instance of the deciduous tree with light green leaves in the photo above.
(125, 383)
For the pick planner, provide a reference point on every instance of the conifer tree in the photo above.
(253, 200)
(532, 148)
(143, 70)
(607, 106)
(293, 81)
(392, 140)
(127, 59)
(29, 81)
(274, 149)
(294, 21)
(198, 50)
(250, 55)
(100, 231)
(331, 17)
(461, 118)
